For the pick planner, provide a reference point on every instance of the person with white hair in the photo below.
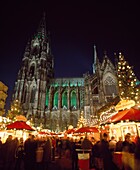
(112, 144)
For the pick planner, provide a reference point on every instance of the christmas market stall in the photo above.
(123, 122)
(19, 128)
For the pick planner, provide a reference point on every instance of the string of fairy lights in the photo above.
(127, 80)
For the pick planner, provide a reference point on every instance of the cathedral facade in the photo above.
(56, 103)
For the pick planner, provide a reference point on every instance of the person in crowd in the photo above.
(30, 146)
(93, 140)
(19, 155)
(9, 149)
(128, 147)
(47, 154)
(86, 143)
(5, 151)
(9, 139)
(105, 154)
(97, 160)
(119, 145)
(137, 154)
(59, 147)
(53, 148)
(112, 144)
(39, 155)
(74, 155)
(80, 141)
(68, 144)
(0, 143)
(1, 157)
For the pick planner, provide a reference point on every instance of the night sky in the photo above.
(74, 27)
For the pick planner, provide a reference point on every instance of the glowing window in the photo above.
(64, 99)
(47, 98)
(55, 101)
(73, 98)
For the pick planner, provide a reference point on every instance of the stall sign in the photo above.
(124, 104)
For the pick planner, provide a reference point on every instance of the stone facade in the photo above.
(56, 103)
(3, 96)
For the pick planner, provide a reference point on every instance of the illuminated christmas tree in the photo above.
(126, 80)
(15, 110)
(82, 121)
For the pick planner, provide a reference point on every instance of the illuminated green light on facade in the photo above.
(73, 98)
(64, 99)
(65, 84)
(73, 84)
(47, 98)
(55, 101)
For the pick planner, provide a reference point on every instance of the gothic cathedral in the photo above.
(56, 103)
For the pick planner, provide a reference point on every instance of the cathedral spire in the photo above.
(41, 32)
(95, 60)
(116, 61)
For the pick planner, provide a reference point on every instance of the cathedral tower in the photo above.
(35, 73)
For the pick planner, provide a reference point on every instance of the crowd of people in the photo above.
(37, 153)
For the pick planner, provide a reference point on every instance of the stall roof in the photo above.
(128, 114)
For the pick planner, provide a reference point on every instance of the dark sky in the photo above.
(75, 27)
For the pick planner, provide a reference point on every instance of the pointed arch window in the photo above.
(64, 99)
(110, 86)
(73, 99)
(47, 98)
(32, 70)
(33, 95)
(55, 100)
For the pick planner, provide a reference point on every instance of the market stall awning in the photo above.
(128, 114)
(19, 125)
(87, 130)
